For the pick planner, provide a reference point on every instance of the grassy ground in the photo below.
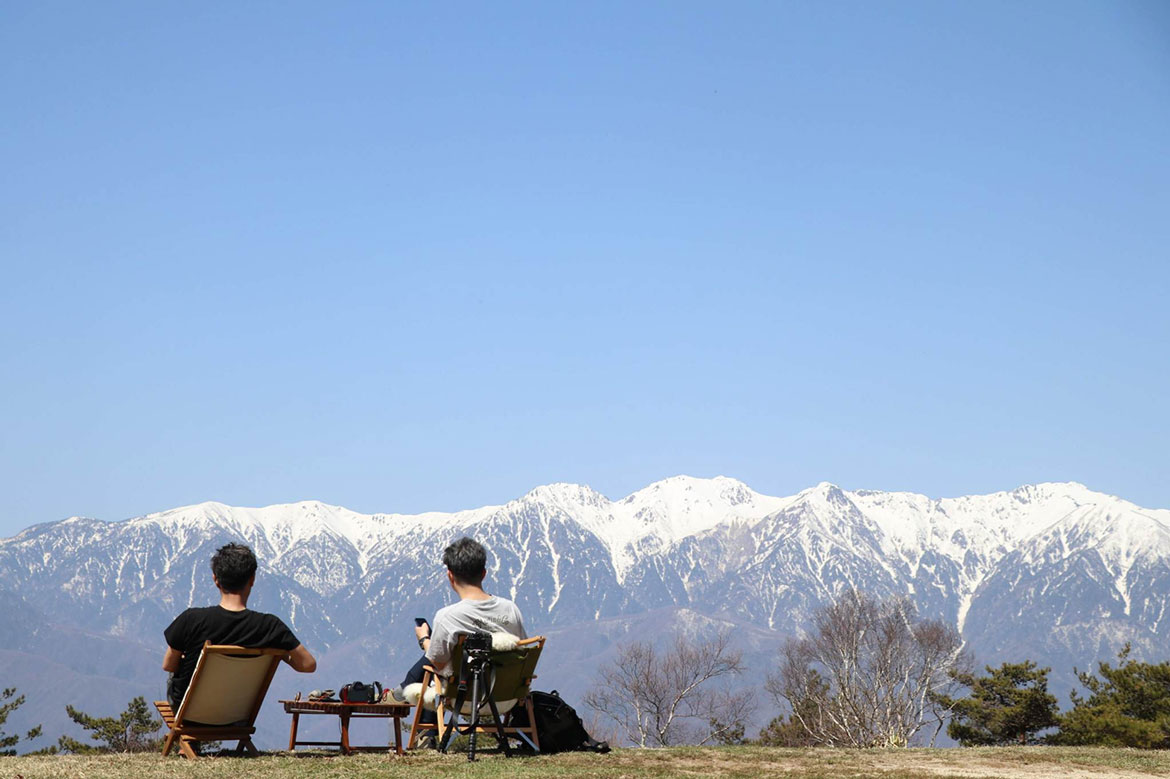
(1028, 763)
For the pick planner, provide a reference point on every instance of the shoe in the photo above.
(394, 695)
(428, 741)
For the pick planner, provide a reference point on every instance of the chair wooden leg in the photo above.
(412, 740)
(441, 719)
(170, 742)
(532, 723)
(416, 721)
(246, 745)
(186, 749)
(417, 726)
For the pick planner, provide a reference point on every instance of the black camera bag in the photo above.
(359, 692)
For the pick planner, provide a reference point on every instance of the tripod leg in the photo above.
(499, 726)
(460, 696)
(475, 704)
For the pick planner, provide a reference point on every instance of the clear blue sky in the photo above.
(427, 256)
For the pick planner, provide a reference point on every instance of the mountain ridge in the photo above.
(553, 493)
(1052, 572)
(891, 542)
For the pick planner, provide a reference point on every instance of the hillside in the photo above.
(746, 762)
(1054, 572)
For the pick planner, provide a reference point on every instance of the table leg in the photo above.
(345, 733)
(292, 734)
(398, 735)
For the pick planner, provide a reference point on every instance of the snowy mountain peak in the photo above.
(826, 492)
(564, 493)
(1046, 491)
(1116, 528)
(207, 510)
(682, 486)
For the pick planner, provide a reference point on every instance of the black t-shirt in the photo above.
(194, 627)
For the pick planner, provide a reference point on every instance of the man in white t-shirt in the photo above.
(476, 612)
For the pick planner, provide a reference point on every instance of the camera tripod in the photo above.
(476, 670)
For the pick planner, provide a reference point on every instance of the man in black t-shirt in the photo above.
(231, 622)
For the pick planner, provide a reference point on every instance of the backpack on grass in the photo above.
(558, 725)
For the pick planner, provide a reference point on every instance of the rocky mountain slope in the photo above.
(1054, 572)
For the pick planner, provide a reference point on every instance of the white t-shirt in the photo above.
(494, 615)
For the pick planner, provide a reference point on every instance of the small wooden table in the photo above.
(346, 711)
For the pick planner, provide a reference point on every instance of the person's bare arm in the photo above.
(301, 660)
(171, 660)
(424, 641)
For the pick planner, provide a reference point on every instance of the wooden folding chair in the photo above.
(223, 699)
(512, 674)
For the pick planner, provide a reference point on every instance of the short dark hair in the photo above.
(466, 559)
(233, 566)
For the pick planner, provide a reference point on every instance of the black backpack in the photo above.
(557, 724)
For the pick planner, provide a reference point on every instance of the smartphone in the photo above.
(420, 621)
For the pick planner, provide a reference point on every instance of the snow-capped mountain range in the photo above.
(1056, 573)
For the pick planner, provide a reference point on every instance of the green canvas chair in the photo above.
(512, 672)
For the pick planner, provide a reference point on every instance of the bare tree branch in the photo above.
(664, 698)
(870, 673)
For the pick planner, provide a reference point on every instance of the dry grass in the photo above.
(1029, 763)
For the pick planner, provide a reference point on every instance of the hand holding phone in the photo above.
(422, 628)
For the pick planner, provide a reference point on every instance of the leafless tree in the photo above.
(669, 697)
(869, 674)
